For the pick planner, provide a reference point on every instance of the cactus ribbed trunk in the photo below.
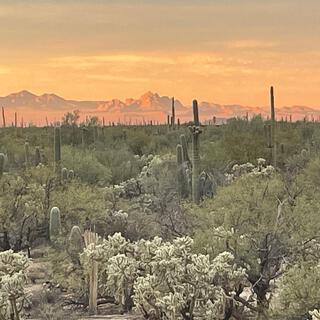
(173, 118)
(57, 149)
(273, 128)
(26, 154)
(92, 238)
(195, 154)
(182, 184)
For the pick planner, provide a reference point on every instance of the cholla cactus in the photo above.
(55, 223)
(2, 158)
(194, 284)
(315, 314)
(12, 282)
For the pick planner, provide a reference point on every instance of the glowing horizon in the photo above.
(219, 51)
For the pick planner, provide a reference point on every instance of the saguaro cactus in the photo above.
(37, 157)
(3, 118)
(27, 154)
(91, 239)
(64, 174)
(182, 184)
(183, 142)
(173, 117)
(55, 223)
(195, 130)
(57, 149)
(75, 244)
(1, 164)
(273, 128)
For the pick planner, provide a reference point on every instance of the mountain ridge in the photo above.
(149, 104)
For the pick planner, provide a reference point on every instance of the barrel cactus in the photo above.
(55, 223)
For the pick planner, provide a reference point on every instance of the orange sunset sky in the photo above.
(226, 51)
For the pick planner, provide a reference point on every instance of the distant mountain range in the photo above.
(150, 106)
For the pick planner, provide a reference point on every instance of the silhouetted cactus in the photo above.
(75, 244)
(3, 118)
(173, 117)
(37, 156)
(195, 130)
(26, 153)
(55, 223)
(57, 149)
(273, 128)
(2, 158)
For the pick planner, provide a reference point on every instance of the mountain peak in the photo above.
(22, 94)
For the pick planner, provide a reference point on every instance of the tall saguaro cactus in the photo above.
(173, 118)
(3, 118)
(57, 149)
(27, 154)
(273, 128)
(1, 164)
(195, 130)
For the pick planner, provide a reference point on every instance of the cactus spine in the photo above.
(195, 130)
(55, 223)
(273, 129)
(57, 148)
(37, 157)
(1, 164)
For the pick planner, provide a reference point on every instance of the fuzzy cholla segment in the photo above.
(315, 314)
(165, 278)
(12, 281)
(239, 170)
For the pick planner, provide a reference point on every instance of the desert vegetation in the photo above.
(163, 221)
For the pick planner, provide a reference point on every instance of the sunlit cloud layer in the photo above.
(225, 51)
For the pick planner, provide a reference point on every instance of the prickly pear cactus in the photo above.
(55, 223)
